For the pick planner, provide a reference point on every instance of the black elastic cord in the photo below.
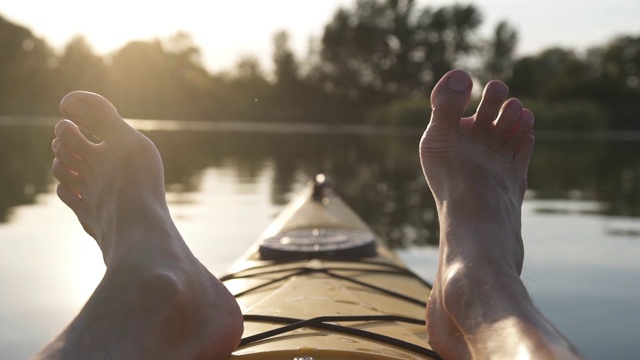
(397, 269)
(378, 288)
(330, 272)
(321, 322)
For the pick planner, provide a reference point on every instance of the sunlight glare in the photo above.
(224, 30)
(86, 266)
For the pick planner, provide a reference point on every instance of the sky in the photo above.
(226, 30)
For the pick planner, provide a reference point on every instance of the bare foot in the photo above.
(156, 300)
(476, 168)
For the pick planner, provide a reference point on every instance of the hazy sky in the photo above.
(227, 29)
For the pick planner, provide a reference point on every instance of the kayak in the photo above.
(320, 285)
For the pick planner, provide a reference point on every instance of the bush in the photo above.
(569, 116)
(565, 116)
(408, 112)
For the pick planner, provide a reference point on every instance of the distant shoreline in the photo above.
(312, 128)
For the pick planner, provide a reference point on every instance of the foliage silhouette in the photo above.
(382, 50)
(374, 57)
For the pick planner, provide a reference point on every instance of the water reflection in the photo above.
(378, 175)
(24, 165)
(604, 171)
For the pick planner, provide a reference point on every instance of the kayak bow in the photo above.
(319, 284)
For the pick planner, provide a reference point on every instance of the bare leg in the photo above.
(477, 169)
(156, 301)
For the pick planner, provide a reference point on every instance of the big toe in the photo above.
(95, 113)
(450, 98)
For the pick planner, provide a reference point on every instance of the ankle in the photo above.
(468, 204)
(482, 294)
(157, 248)
(499, 249)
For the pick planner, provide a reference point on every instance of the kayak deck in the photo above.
(323, 296)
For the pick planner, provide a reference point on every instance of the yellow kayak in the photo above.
(319, 285)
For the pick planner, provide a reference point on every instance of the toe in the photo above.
(96, 114)
(508, 117)
(66, 176)
(494, 94)
(521, 129)
(525, 149)
(524, 141)
(68, 134)
(71, 160)
(71, 199)
(449, 99)
(68, 196)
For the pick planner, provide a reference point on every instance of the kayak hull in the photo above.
(319, 284)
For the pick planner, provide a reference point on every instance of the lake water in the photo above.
(580, 221)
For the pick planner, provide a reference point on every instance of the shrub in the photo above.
(408, 112)
(569, 116)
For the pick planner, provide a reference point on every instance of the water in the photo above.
(580, 221)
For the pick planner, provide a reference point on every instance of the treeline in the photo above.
(375, 63)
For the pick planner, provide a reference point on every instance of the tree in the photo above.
(25, 70)
(160, 79)
(248, 69)
(499, 59)
(618, 68)
(617, 86)
(79, 68)
(285, 64)
(292, 99)
(382, 50)
(243, 94)
(555, 74)
(192, 81)
(142, 82)
(447, 35)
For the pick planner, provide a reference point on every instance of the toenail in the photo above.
(60, 125)
(513, 107)
(500, 89)
(75, 107)
(459, 81)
